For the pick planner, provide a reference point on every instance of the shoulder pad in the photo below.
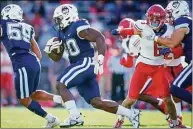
(82, 24)
(139, 24)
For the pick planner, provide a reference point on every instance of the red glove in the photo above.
(178, 51)
(127, 62)
(126, 32)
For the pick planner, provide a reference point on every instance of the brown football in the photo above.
(57, 53)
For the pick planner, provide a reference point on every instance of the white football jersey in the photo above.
(150, 51)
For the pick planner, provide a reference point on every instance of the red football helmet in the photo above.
(126, 23)
(156, 16)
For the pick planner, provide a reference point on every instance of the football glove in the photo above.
(115, 32)
(126, 61)
(98, 64)
(51, 45)
(165, 51)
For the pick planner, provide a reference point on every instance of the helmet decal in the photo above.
(176, 4)
(65, 10)
(7, 8)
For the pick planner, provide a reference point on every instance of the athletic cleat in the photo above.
(119, 123)
(55, 122)
(73, 121)
(180, 125)
(134, 118)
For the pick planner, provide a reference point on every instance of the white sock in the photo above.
(71, 107)
(57, 99)
(49, 117)
(178, 109)
(123, 111)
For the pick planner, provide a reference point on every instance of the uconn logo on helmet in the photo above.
(176, 4)
(65, 10)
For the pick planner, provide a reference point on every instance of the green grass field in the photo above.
(22, 118)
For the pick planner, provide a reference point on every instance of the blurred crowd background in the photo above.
(103, 15)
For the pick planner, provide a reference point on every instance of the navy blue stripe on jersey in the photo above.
(78, 69)
(183, 75)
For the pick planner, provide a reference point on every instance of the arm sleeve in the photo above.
(82, 25)
(182, 23)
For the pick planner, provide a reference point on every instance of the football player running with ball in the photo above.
(76, 35)
(178, 11)
(150, 63)
(18, 39)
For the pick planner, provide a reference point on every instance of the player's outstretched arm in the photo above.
(175, 39)
(94, 35)
(35, 48)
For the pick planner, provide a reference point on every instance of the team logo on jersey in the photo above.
(65, 10)
(176, 4)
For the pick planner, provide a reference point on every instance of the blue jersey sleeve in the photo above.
(82, 25)
(182, 22)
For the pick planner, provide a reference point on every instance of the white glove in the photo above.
(131, 45)
(51, 45)
(98, 64)
(125, 44)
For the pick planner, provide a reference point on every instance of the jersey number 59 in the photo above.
(17, 31)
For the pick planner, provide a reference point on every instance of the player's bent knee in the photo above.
(97, 103)
(25, 101)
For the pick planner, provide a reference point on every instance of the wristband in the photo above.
(156, 38)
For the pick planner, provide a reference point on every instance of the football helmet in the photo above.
(126, 23)
(64, 15)
(12, 11)
(156, 16)
(176, 9)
